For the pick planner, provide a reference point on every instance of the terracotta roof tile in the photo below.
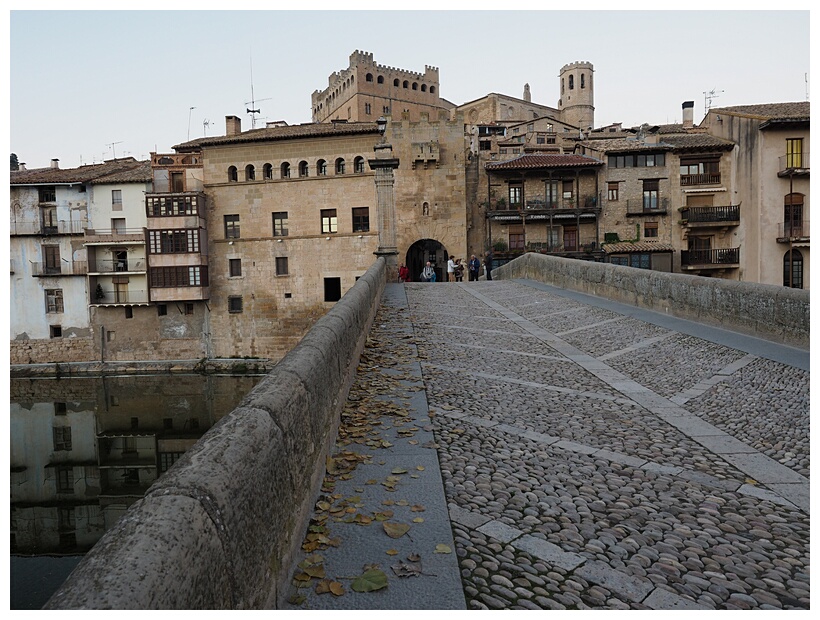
(530, 161)
(83, 174)
(770, 111)
(305, 130)
(639, 246)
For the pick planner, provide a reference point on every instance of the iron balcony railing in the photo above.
(724, 256)
(687, 180)
(546, 247)
(709, 215)
(115, 265)
(64, 268)
(795, 161)
(793, 230)
(73, 227)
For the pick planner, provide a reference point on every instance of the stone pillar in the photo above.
(384, 164)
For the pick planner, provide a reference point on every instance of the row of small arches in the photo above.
(303, 169)
(379, 80)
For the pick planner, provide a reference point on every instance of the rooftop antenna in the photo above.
(205, 124)
(708, 96)
(191, 109)
(111, 144)
(253, 110)
(806, 79)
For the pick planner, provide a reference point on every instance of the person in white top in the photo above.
(451, 269)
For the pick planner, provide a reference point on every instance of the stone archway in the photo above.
(422, 251)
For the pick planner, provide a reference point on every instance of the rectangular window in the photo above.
(173, 241)
(189, 307)
(234, 267)
(62, 438)
(515, 196)
(333, 289)
(540, 139)
(48, 194)
(65, 479)
(235, 304)
(612, 192)
(794, 152)
(54, 300)
(171, 277)
(280, 224)
(650, 194)
(129, 312)
(281, 265)
(177, 182)
(60, 408)
(51, 259)
(567, 190)
(55, 331)
(484, 145)
(367, 108)
(169, 206)
(231, 227)
(329, 222)
(516, 241)
(162, 310)
(650, 230)
(361, 219)
(116, 199)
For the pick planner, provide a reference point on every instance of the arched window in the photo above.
(432, 89)
(562, 86)
(368, 77)
(267, 172)
(380, 79)
(405, 84)
(340, 166)
(250, 173)
(424, 88)
(582, 81)
(415, 85)
(396, 82)
(284, 170)
(358, 165)
(571, 82)
(793, 269)
(232, 174)
(303, 168)
(321, 168)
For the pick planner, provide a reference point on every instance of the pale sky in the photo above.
(86, 85)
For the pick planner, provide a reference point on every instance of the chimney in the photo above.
(55, 163)
(527, 95)
(688, 114)
(21, 166)
(233, 125)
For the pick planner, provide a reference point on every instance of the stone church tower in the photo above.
(577, 95)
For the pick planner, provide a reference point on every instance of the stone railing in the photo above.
(222, 528)
(766, 311)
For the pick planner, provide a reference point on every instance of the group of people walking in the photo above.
(455, 270)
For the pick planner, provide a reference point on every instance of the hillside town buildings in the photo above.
(233, 245)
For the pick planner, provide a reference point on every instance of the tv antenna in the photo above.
(708, 96)
(253, 110)
(191, 109)
(111, 144)
(205, 124)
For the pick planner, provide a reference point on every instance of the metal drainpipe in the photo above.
(102, 343)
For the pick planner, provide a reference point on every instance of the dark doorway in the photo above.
(423, 250)
(333, 289)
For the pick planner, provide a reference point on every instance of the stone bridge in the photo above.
(506, 445)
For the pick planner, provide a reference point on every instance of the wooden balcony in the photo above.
(64, 268)
(74, 227)
(793, 232)
(796, 164)
(109, 236)
(639, 206)
(688, 180)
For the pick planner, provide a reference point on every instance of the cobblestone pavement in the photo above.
(587, 459)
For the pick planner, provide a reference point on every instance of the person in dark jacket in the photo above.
(488, 265)
(474, 266)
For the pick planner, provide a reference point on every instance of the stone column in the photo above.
(384, 164)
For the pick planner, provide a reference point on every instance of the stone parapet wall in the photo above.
(769, 312)
(222, 528)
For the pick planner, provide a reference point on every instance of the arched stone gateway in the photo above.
(422, 251)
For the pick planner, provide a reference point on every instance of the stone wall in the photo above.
(222, 528)
(44, 351)
(762, 310)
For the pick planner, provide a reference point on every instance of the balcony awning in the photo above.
(704, 190)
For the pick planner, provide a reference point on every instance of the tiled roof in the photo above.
(770, 111)
(697, 141)
(530, 161)
(305, 130)
(83, 174)
(669, 142)
(639, 246)
(138, 174)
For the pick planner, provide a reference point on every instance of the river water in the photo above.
(84, 449)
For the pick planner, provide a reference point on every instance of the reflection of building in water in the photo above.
(83, 451)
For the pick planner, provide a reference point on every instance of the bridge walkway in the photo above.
(510, 445)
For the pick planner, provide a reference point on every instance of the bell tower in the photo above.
(577, 95)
